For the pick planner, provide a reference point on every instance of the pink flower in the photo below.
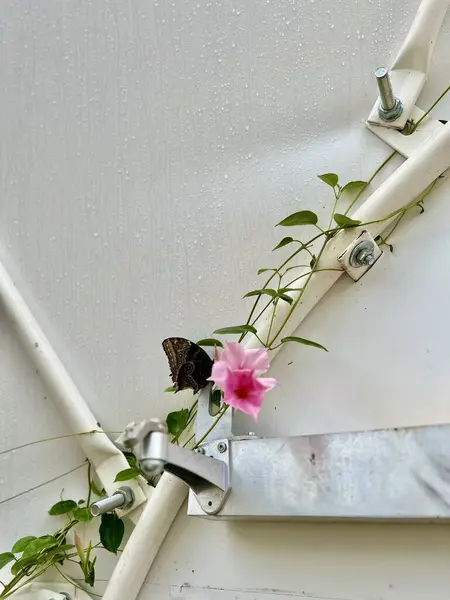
(236, 371)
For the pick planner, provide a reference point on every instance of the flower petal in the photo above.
(268, 383)
(234, 355)
(219, 373)
(256, 359)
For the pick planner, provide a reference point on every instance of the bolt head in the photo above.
(362, 255)
(221, 447)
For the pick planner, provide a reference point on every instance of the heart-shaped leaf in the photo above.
(176, 421)
(111, 532)
(5, 558)
(127, 474)
(344, 221)
(303, 217)
(62, 508)
(284, 242)
(21, 544)
(354, 185)
(330, 179)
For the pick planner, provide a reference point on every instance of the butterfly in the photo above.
(190, 366)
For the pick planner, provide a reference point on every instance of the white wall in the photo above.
(147, 150)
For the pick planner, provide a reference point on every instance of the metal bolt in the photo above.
(221, 447)
(200, 450)
(390, 106)
(122, 498)
(362, 255)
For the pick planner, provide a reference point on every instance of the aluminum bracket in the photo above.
(389, 475)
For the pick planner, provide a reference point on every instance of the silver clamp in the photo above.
(207, 476)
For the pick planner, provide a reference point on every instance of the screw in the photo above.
(362, 255)
(200, 450)
(221, 447)
(390, 106)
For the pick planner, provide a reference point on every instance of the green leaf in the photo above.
(344, 221)
(89, 572)
(330, 179)
(58, 552)
(111, 532)
(22, 564)
(82, 514)
(300, 340)
(62, 508)
(304, 217)
(131, 458)
(266, 291)
(21, 544)
(236, 329)
(5, 558)
(176, 421)
(127, 474)
(95, 490)
(216, 397)
(286, 298)
(261, 271)
(354, 185)
(284, 242)
(210, 342)
(39, 544)
(80, 502)
(171, 389)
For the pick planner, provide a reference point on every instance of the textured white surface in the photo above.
(147, 150)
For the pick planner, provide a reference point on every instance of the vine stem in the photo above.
(426, 113)
(369, 181)
(205, 435)
(294, 306)
(58, 437)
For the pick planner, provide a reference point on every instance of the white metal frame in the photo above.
(425, 162)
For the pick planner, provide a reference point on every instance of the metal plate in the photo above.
(401, 474)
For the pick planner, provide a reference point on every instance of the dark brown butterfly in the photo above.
(190, 366)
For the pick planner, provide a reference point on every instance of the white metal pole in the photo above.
(106, 459)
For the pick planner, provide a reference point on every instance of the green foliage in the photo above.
(216, 397)
(171, 389)
(21, 544)
(5, 558)
(177, 421)
(62, 508)
(111, 532)
(236, 329)
(300, 340)
(210, 342)
(284, 242)
(267, 291)
(261, 271)
(303, 217)
(354, 186)
(330, 179)
(82, 514)
(344, 221)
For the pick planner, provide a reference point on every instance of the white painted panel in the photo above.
(147, 149)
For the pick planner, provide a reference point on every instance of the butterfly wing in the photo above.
(190, 365)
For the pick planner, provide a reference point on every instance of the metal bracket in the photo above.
(360, 255)
(389, 475)
(206, 471)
